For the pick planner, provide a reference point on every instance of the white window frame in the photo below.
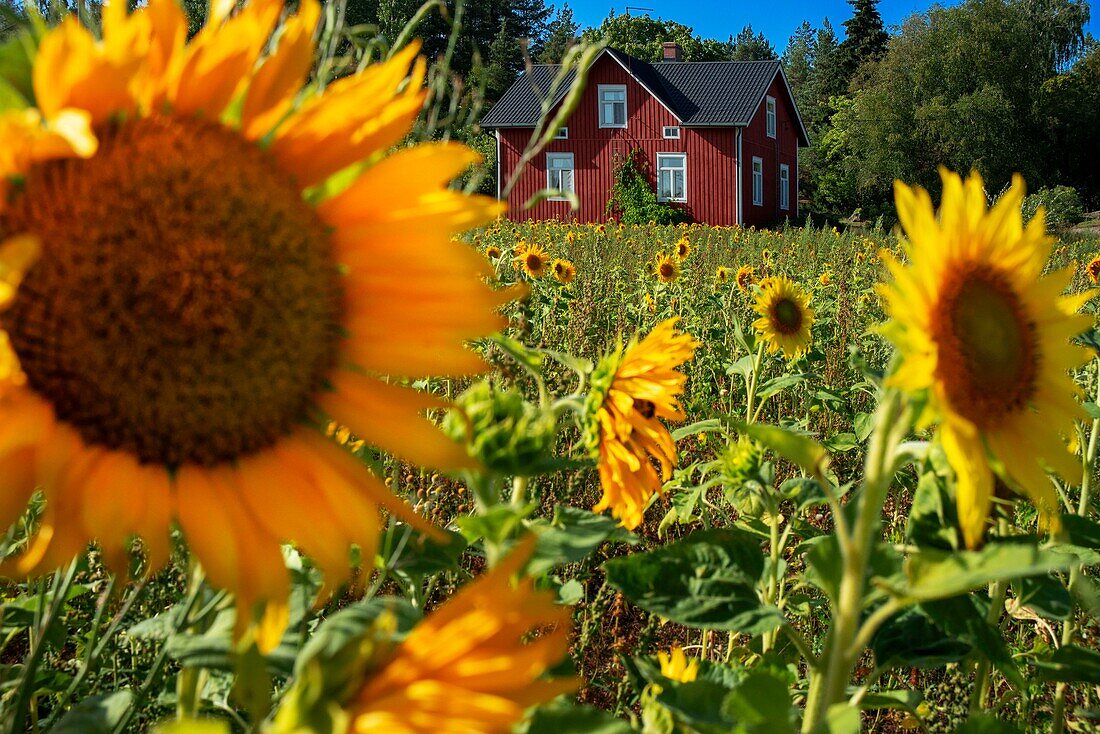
(670, 132)
(769, 108)
(784, 187)
(601, 89)
(562, 134)
(682, 168)
(757, 181)
(551, 169)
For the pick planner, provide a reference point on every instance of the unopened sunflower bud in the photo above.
(501, 430)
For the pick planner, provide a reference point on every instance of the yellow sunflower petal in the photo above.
(392, 418)
(274, 87)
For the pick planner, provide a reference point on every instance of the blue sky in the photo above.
(776, 19)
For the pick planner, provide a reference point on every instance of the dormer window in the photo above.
(770, 106)
(612, 105)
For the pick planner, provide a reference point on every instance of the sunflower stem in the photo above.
(1088, 466)
(750, 398)
(829, 685)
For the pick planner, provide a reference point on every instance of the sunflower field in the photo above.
(299, 435)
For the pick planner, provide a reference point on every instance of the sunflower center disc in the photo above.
(788, 317)
(988, 348)
(185, 306)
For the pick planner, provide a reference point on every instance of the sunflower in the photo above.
(631, 390)
(683, 248)
(519, 249)
(988, 337)
(722, 274)
(745, 277)
(467, 667)
(825, 279)
(676, 666)
(533, 260)
(666, 268)
(564, 271)
(1093, 269)
(199, 306)
(785, 316)
(493, 252)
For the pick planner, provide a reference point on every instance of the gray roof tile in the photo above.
(721, 93)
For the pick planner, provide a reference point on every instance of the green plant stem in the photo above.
(771, 594)
(519, 491)
(1088, 465)
(62, 582)
(750, 397)
(983, 679)
(840, 655)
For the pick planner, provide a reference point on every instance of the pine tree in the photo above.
(560, 35)
(866, 37)
(798, 62)
(749, 46)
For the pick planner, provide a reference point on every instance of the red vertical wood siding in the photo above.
(712, 186)
(783, 148)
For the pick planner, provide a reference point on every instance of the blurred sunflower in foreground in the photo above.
(786, 319)
(632, 389)
(988, 336)
(190, 296)
(475, 664)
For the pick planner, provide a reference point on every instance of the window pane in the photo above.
(678, 184)
(566, 181)
(620, 114)
(664, 185)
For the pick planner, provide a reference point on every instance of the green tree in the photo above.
(561, 33)
(749, 46)
(798, 62)
(642, 36)
(964, 87)
(865, 37)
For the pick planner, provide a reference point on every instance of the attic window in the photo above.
(771, 116)
(612, 105)
(671, 133)
(562, 133)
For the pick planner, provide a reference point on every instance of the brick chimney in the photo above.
(672, 51)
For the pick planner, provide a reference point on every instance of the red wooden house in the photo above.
(721, 138)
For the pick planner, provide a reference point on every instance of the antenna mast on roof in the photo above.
(628, 8)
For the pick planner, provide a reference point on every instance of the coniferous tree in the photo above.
(560, 35)
(798, 62)
(749, 46)
(866, 37)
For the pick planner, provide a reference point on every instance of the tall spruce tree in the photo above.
(866, 37)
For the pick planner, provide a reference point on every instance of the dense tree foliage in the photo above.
(561, 33)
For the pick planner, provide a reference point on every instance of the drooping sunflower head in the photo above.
(666, 268)
(745, 277)
(786, 318)
(493, 252)
(533, 260)
(722, 274)
(631, 390)
(683, 248)
(1093, 269)
(184, 304)
(987, 337)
